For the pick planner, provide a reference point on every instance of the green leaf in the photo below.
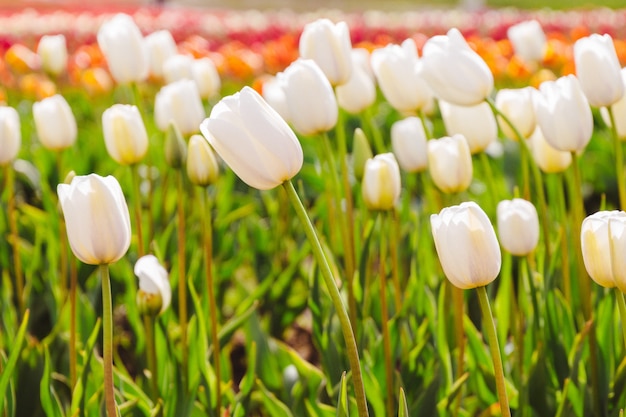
(49, 400)
(273, 405)
(9, 366)
(403, 409)
(342, 402)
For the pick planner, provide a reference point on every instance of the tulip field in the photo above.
(246, 213)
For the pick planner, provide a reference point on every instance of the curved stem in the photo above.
(182, 277)
(329, 280)
(137, 198)
(619, 161)
(490, 330)
(621, 304)
(107, 348)
(384, 315)
(148, 322)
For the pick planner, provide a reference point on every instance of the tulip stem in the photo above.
(621, 304)
(63, 255)
(329, 280)
(73, 289)
(107, 348)
(487, 172)
(137, 198)
(9, 175)
(619, 161)
(490, 329)
(376, 136)
(148, 322)
(424, 120)
(208, 248)
(182, 278)
(384, 315)
(393, 249)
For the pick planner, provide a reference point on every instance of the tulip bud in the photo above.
(397, 70)
(450, 163)
(447, 56)
(202, 167)
(125, 135)
(598, 69)
(361, 152)
(408, 141)
(160, 46)
(564, 115)
(204, 73)
(175, 147)
(311, 100)
(467, 245)
(528, 40)
(381, 182)
(517, 105)
(595, 239)
(252, 138)
(52, 51)
(177, 67)
(477, 123)
(179, 102)
(124, 48)
(96, 218)
(274, 95)
(619, 111)
(358, 93)
(10, 134)
(329, 46)
(55, 123)
(548, 159)
(155, 294)
(518, 226)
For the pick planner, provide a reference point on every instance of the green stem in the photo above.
(528, 272)
(148, 322)
(63, 244)
(565, 261)
(487, 172)
(384, 316)
(329, 280)
(621, 304)
(422, 116)
(377, 138)
(107, 349)
(73, 289)
(182, 277)
(208, 248)
(393, 250)
(15, 238)
(137, 198)
(490, 330)
(619, 161)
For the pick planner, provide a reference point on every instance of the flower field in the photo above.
(220, 213)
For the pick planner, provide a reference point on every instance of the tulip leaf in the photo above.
(403, 408)
(9, 366)
(273, 405)
(49, 400)
(342, 402)
(78, 395)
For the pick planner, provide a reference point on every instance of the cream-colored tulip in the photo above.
(179, 102)
(517, 105)
(518, 226)
(177, 67)
(155, 293)
(598, 69)
(617, 236)
(450, 163)
(202, 166)
(454, 71)
(329, 45)
(548, 159)
(619, 111)
(563, 113)
(10, 134)
(312, 104)
(408, 141)
(96, 218)
(252, 138)
(52, 51)
(161, 46)
(125, 134)
(55, 122)
(124, 48)
(381, 182)
(476, 123)
(528, 40)
(595, 239)
(204, 73)
(467, 245)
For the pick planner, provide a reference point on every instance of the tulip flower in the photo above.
(274, 94)
(180, 103)
(155, 293)
(408, 141)
(476, 123)
(204, 73)
(596, 246)
(202, 166)
(467, 246)
(518, 226)
(10, 134)
(397, 70)
(160, 46)
(55, 122)
(125, 134)
(310, 98)
(528, 40)
(252, 138)
(563, 113)
(177, 67)
(619, 111)
(454, 71)
(52, 51)
(517, 105)
(329, 46)
(450, 163)
(124, 48)
(598, 69)
(548, 159)
(97, 218)
(358, 93)
(381, 182)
